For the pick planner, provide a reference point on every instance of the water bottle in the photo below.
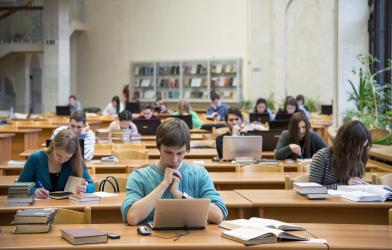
(12, 112)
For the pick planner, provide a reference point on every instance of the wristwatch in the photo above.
(184, 195)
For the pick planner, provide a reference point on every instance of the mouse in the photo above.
(143, 230)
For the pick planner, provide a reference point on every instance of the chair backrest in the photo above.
(130, 154)
(126, 146)
(390, 216)
(289, 182)
(21, 123)
(121, 181)
(303, 167)
(254, 168)
(103, 146)
(383, 180)
(67, 216)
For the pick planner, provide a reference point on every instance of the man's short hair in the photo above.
(125, 115)
(147, 106)
(300, 98)
(173, 132)
(72, 97)
(214, 96)
(233, 111)
(79, 116)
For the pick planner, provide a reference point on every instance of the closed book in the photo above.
(84, 197)
(19, 201)
(253, 236)
(79, 236)
(34, 215)
(33, 228)
(255, 222)
(310, 188)
(316, 196)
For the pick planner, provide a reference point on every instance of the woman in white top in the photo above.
(113, 107)
(124, 121)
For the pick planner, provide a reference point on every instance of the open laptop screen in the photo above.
(242, 146)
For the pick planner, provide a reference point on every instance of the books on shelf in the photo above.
(34, 215)
(85, 197)
(145, 83)
(365, 192)
(79, 236)
(253, 236)
(256, 222)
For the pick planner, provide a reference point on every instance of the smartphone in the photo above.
(114, 236)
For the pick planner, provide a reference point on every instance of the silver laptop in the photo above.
(180, 214)
(242, 146)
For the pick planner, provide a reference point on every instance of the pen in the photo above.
(40, 184)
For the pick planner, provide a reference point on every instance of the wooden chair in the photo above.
(67, 216)
(121, 181)
(126, 146)
(254, 168)
(390, 216)
(303, 167)
(130, 154)
(289, 182)
(382, 180)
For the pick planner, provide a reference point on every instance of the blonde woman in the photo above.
(50, 168)
(183, 108)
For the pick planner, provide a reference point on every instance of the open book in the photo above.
(366, 192)
(70, 188)
(262, 235)
(255, 222)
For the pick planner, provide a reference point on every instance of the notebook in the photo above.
(260, 222)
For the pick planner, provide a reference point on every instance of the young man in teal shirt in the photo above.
(170, 178)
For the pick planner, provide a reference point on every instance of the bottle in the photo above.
(12, 115)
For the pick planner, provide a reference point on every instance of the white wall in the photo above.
(124, 31)
(353, 39)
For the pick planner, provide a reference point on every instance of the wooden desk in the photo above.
(338, 236)
(6, 146)
(46, 133)
(195, 136)
(24, 139)
(381, 152)
(288, 206)
(108, 209)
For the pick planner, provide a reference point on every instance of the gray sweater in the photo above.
(283, 150)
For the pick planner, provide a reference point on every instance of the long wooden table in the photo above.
(287, 205)
(6, 146)
(108, 209)
(381, 152)
(24, 139)
(338, 236)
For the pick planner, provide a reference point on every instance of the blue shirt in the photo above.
(195, 182)
(37, 169)
(221, 110)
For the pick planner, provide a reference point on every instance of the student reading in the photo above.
(124, 121)
(298, 141)
(171, 178)
(114, 107)
(261, 107)
(184, 108)
(344, 162)
(233, 120)
(52, 167)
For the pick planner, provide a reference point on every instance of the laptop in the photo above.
(186, 118)
(180, 214)
(81, 143)
(279, 125)
(132, 107)
(147, 127)
(63, 110)
(270, 138)
(326, 109)
(242, 146)
(282, 116)
(259, 117)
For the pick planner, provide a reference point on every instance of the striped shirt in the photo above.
(321, 170)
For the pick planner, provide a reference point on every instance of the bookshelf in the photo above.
(192, 80)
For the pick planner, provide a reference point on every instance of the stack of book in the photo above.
(102, 136)
(20, 194)
(121, 135)
(34, 220)
(84, 197)
(311, 190)
(260, 231)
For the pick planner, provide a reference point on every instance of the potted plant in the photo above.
(369, 99)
